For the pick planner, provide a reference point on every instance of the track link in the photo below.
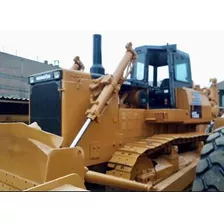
(124, 159)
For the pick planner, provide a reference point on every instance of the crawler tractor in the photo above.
(142, 130)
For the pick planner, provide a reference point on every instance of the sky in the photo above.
(205, 47)
(59, 30)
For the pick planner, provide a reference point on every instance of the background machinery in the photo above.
(142, 130)
(209, 171)
(14, 110)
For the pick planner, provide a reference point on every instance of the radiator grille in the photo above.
(45, 106)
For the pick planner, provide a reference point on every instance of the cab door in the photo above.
(182, 70)
(179, 71)
(170, 62)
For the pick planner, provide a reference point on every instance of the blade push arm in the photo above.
(109, 84)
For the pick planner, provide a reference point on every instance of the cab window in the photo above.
(162, 73)
(181, 73)
(140, 67)
(140, 71)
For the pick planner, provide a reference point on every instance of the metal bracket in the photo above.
(94, 151)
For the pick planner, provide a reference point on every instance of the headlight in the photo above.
(31, 79)
(57, 75)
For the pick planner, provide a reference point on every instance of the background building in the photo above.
(14, 88)
(221, 93)
(14, 72)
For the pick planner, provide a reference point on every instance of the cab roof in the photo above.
(173, 47)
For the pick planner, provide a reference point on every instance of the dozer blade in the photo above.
(71, 182)
(30, 157)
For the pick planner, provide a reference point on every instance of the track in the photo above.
(124, 159)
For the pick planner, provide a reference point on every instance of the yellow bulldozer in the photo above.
(141, 128)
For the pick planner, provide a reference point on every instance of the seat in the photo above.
(162, 94)
(165, 84)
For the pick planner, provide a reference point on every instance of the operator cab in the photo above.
(159, 70)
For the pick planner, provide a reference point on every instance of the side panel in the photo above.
(196, 103)
(132, 124)
(100, 140)
(75, 102)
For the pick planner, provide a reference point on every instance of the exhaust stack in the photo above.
(97, 67)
